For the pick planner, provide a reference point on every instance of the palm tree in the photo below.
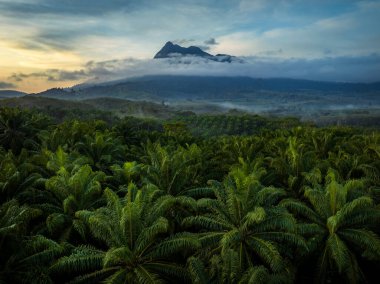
(323, 142)
(62, 160)
(102, 149)
(14, 222)
(123, 175)
(19, 128)
(68, 133)
(18, 179)
(244, 217)
(339, 220)
(136, 130)
(225, 269)
(136, 247)
(31, 261)
(69, 193)
(289, 160)
(173, 172)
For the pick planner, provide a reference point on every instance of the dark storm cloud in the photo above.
(6, 85)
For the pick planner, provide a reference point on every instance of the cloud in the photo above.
(204, 47)
(271, 52)
(343, 69)
(82, 7)
(41, 38)
(211, 41)
(346, 34)
(6, 85)
(183, 41)
(52, 75)
(70, 25)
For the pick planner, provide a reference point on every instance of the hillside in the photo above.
(10, 94)
(118, 107)
(209, 87)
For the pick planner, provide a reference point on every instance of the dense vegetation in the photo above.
(305, 108)
(147, 201)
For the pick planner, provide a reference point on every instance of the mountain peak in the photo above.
(170, 50)
(169, 43)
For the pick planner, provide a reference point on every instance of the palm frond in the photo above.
(197, 271)
(253, 275)
(338, 252)
(268, 252)
(366, 240)
(174, 244)
(82, 259)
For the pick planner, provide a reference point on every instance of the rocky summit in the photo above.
(170, 50)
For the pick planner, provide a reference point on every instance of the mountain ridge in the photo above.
(170, 50)
(11, 93)
(162, 87)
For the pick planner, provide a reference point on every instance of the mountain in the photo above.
(165, 87)
(55, 93)
(10, 94)
(57, 107)
(170, 50)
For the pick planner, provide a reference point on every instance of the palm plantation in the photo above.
(198, 199)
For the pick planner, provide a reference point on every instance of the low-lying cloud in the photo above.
(52, 75)
(342, 69)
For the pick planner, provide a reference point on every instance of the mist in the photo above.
(333, 69)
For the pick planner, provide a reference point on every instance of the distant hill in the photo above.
(39, 102)
(158, 88)
(10, 94)
(171, 50)
(320, 109)
(118, 107)
(54, 92)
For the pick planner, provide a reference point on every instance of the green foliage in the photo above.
(19, 128)
(137, 242)
(194, 199)
(102, 149)
(343, 216)
(173, 171)
(71, 192)
(244, 218)
(18, 179)
(14, 225)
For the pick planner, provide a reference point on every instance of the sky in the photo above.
(61, 43)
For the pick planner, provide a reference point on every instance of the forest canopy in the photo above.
(192, 199)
